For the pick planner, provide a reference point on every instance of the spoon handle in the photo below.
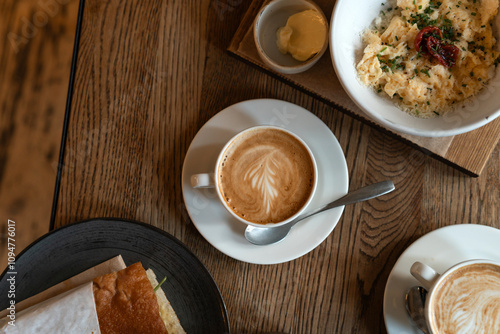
(361, 194)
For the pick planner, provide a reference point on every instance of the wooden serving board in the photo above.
(467, 152)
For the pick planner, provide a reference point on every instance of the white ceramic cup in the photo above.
(208, 180)
(460, 298)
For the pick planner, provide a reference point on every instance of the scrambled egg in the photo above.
(419, 84)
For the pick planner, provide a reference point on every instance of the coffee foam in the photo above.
(468, 301)
(266, 176)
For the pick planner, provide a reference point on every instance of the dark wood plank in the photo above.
(35, 53)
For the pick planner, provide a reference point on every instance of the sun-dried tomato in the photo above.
(446, 54)
(424, 34)
(430, 41)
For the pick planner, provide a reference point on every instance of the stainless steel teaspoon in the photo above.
(269, 235)
(415, 304)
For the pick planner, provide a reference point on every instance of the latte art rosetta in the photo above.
(468, 301)
(263, 176)
(266, 176)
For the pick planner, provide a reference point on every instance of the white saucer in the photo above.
(440, 249)
(223, 231)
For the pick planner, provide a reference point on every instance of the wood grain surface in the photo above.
(35, 53)
(150, 74)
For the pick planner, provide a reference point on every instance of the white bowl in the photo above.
(272, 17)
(346, 47)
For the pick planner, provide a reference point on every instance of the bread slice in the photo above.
(126, 303)
(167, 312)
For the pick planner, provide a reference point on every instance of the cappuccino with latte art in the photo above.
(467, 301)
(266, 175)
(464, 299)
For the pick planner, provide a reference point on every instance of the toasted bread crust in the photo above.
(126, 303)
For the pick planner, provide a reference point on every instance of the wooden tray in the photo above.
(467, 152)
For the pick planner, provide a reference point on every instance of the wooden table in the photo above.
(34, 75)
(149, 74)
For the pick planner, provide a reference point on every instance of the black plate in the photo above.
(74, 248)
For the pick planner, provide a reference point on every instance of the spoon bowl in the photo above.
(415, 305)
(269, 235)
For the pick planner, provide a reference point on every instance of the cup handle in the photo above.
(204, 180)
(424, 274)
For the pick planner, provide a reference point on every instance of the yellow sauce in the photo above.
(303, 35)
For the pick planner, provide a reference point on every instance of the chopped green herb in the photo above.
(426, 72)
(159, 284)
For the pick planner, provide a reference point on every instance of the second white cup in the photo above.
(463, 299)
